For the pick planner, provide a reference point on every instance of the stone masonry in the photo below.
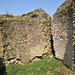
(73, 55)
(26, 37)
(63, 30)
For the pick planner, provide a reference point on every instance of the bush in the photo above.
(23, 15)
(34, 15)
(27, 14)
(21, 21)
(2, 21)
(8, 15)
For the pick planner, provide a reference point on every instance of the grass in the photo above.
(45, 66)
(21, 21)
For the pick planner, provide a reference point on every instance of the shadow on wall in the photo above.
(69, 46)
(53, 52)
(2, 67)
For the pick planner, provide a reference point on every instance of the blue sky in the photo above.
(19, 7)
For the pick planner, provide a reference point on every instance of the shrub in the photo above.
(23, 15)
(21, 21)
(2, 21)
(8, 15)
(27, 14)
(34, 15)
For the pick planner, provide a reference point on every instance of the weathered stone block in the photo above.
(64, 32)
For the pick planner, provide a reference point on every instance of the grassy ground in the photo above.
(45, 66)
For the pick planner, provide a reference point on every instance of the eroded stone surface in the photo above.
(27, 37)
(63, 32)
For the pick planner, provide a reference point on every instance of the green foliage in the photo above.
(23, 15)
(2, 20)
(20, 56)
(34, 15)
(15, 46)
(19, 42)
(73, 4)
(4, 34)
(30, 23)
(22, 21)
(27, 13)
(8, 15)
(25, 36)
(10, 49)
(5, 44)
(66, 11)
(45, 15)
(45, 39)
(62, 20)
(5, 23)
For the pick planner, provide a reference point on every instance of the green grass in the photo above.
(42, 67)
(21, 21)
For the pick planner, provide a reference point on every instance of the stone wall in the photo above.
(63, 32)
(28, 37)
(73, 52)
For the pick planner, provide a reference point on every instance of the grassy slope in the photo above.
(45, 66)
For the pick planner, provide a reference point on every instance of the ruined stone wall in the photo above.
(2, 43)
(24, 38)
(63, 32)
(73, 52)
(28, 37)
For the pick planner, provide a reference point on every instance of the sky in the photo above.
(19, 7)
